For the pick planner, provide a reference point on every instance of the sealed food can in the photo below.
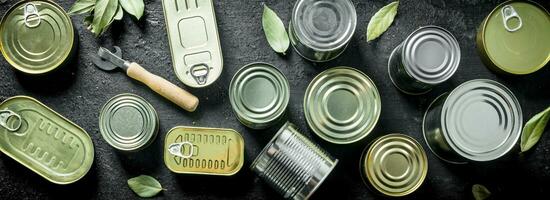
(259, 94)
(394, 165)
(342, 105)
(37, 37)
(292, 164)
(128, 122)
(478, 121)
(514, 38)
(206, 151)
(320, 30)
(194, 41)
(44, 141)
(429, 56)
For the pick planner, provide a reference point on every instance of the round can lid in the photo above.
(395, 165)
(342, 105)
(128, 122)
(259, 93)
(36, 36)
(431, 54)
(520, 51)
(481, 120)
(324, 25)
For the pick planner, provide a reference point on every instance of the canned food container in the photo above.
(480, 120)
(44, 141)
(37, 37)
(207, 151)
(513, 39)
(394, 165)
(320, 30)
(429, 56)
(292, 164)
(259, 94)
(342, 105)
(194, 41)
(128, 122)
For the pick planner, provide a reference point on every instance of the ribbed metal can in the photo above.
(480, 120)
(429, 56)
(292, 164)
(320, 30)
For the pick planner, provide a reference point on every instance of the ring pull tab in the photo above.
(200, 73)
(509, 13)
(5, 116)
(32, 18)
(177, 149)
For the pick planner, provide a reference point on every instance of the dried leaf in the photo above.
(480, 192)
(104, 14)
(145, 186)
(82, 6)
(275, 31)
(533, 130)
(381, 20)
(133, 7)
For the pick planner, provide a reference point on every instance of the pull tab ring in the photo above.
(177, 148)
(31, 15)
(5, 115)
(200, 73)
(509, 13)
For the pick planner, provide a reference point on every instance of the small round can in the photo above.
(514, 38)
(480, 120)
(128, 122)
(342, 105)
(320, 30)
(37, 37)
(394, 165)
(292, 164)
(259, 94)
(429, 56)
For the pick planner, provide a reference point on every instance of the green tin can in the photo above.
(37, 37)
(342, 105)
(514, 38)
(259, 94)
(128, 122)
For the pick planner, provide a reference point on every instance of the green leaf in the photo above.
(275, 31)
(119, 13)
(82, 6)
(145, 186)
(133, 7)
(480, 192)
(104, 13)
(533, 130)
(381, 20)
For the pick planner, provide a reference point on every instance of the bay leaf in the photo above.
(533, 130)
(104, 13)
(381, 20)
(119, 13)
(145, 186)
(275, 31)
(82, 6)
(133, 7)
(480, 192)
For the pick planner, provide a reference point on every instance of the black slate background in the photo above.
(79, 92)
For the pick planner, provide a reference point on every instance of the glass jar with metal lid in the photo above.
(514, 38)
(428, 57)
(320, 30)
(394, 165)
(480, 120)
(342, 105)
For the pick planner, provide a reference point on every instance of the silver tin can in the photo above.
(428, 57)
(320, 30)
(479, 121)
(292, 164)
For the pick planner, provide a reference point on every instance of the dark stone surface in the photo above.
(80, 93)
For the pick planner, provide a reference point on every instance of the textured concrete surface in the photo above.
(79, 93)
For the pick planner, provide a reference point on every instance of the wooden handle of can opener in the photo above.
(160, 85)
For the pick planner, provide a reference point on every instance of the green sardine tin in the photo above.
(44, 141)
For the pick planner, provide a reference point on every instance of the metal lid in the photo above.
(342, 105)
(128, 122)
(515, 37)
(259, 94)
(395, 165)
(36, 36)
(481, 120)
(324, 25)
(431, 55)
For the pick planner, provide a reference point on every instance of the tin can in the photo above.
(37, 37)
(429, 56)
(513, 38)
(342, 105)
(44, 141)
(479, 121)
(207, 151)
(259, 94)
(128, 122)
(292, 164)
(394, 165)
(320, 30)
(194, 41)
